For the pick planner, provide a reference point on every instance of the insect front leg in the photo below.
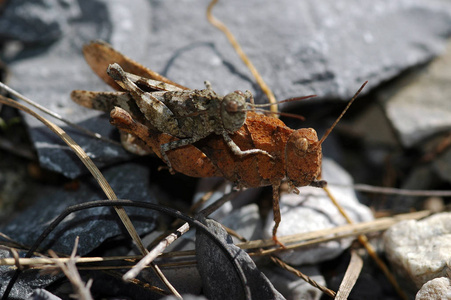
(237, 151)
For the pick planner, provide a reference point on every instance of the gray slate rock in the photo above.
(27, 282)
(33, 21)
(328, 48)
(52, 70)
(41, 294)
(219, 276)
(418, 104)
(312, 210)
(442, 165)
(94, 225)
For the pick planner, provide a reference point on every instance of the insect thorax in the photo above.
(197, 111)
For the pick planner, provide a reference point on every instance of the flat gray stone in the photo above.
(41, 294)
(325, 48)
(52, 70)
(27, 282)
(34, 22)
(420, 250)
(418, 104)
(442, 165)
(308, 47)
(312, 210)
(94, 225)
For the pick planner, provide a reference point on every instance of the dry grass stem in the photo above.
(56, 116)
(69, 268)
(301, 275)
(218, 24)
(351, 276)
(314, 237)
(139, 283)
(206, 196)
(369, 248)
(86, 161)
(155, 252)
(165, 281)
(394, 191)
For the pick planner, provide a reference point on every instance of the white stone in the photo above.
(420, 250)
(312, 210)
(438, 288)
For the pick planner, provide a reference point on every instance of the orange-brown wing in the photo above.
(269, 134)
(254, 170)
(100, 55)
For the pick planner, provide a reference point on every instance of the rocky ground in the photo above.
(397, 134)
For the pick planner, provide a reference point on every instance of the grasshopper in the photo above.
(263, 150)
(190, 115)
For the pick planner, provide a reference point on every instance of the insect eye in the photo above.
(302, 144)
(239, 93)
(232, 106)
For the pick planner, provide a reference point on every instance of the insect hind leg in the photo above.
(153, 109)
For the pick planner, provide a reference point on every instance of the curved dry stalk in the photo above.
(218, 24)
(351, 276)
(69, 269)
(315, 237)
(301, 275)
(369, 248)
(155, 252)
(57, 116)
(86, 161)
(394, 191)
(165, 281)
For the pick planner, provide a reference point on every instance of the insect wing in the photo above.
(99, 55)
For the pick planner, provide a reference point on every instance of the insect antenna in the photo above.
(278, 102)
(294, 116)
(282, 101)
(328, 131)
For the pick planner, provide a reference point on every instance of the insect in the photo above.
(190, 115)
(283, 154)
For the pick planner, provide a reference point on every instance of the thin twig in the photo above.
(301, 275)
(351, 276)
(70, 270)
(206, 196)
(57, 116)
(155, 252)
(295, 241)
(218, 24)
(309, 238)
(394, 191)
(369, 248)
(86, 161)
(165, 281)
